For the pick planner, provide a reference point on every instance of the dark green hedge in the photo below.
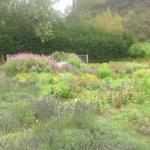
(74, 38)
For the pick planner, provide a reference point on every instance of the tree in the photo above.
(137, 20)
(83, 9)
(109, 22)
(23, 22)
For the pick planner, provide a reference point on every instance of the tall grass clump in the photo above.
(104, 71)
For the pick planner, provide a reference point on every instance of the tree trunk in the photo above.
(74, 7)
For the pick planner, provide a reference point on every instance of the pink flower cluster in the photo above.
(30, 56)
(24, 58)
(26, 62)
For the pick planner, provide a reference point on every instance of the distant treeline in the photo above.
(34, 26)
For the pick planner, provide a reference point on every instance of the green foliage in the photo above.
(15, 116)
(81, 133)
(100, 46)
(8, 121)
(24, 113)
(104, 71)
(60, 56)
(71, 58)
(145, 84)
(35, 23)
(74, 60)
(10, 68)
(133, 16)
(140, 50)
(137, 116)
(62, 89)
(83, 120)
(109, 22)
(74, 139)
(24, 140)
(94, 99)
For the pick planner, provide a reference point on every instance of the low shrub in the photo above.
(26, 140)
(11, 68)
(95, 99)
(104, 71)
(60, 56)
(62, 86)
(8, 121)
(71, 58)
(24, 113)
(124, 91)
(16, 116)
(139, 50)
(34, 77)
(46, 108)
(62, 89)
(74, 60)
(77, 84)
(83, 120)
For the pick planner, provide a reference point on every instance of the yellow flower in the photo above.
(37, 121)
(90, 77)
(23, 77)
(56, 78)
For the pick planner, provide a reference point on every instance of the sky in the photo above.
(62, 4)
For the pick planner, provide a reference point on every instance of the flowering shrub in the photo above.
(124, 91)
(34, 77)
(77, 84)
(62, 87)
(89, 77)
(25, 62)
(93, 98)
